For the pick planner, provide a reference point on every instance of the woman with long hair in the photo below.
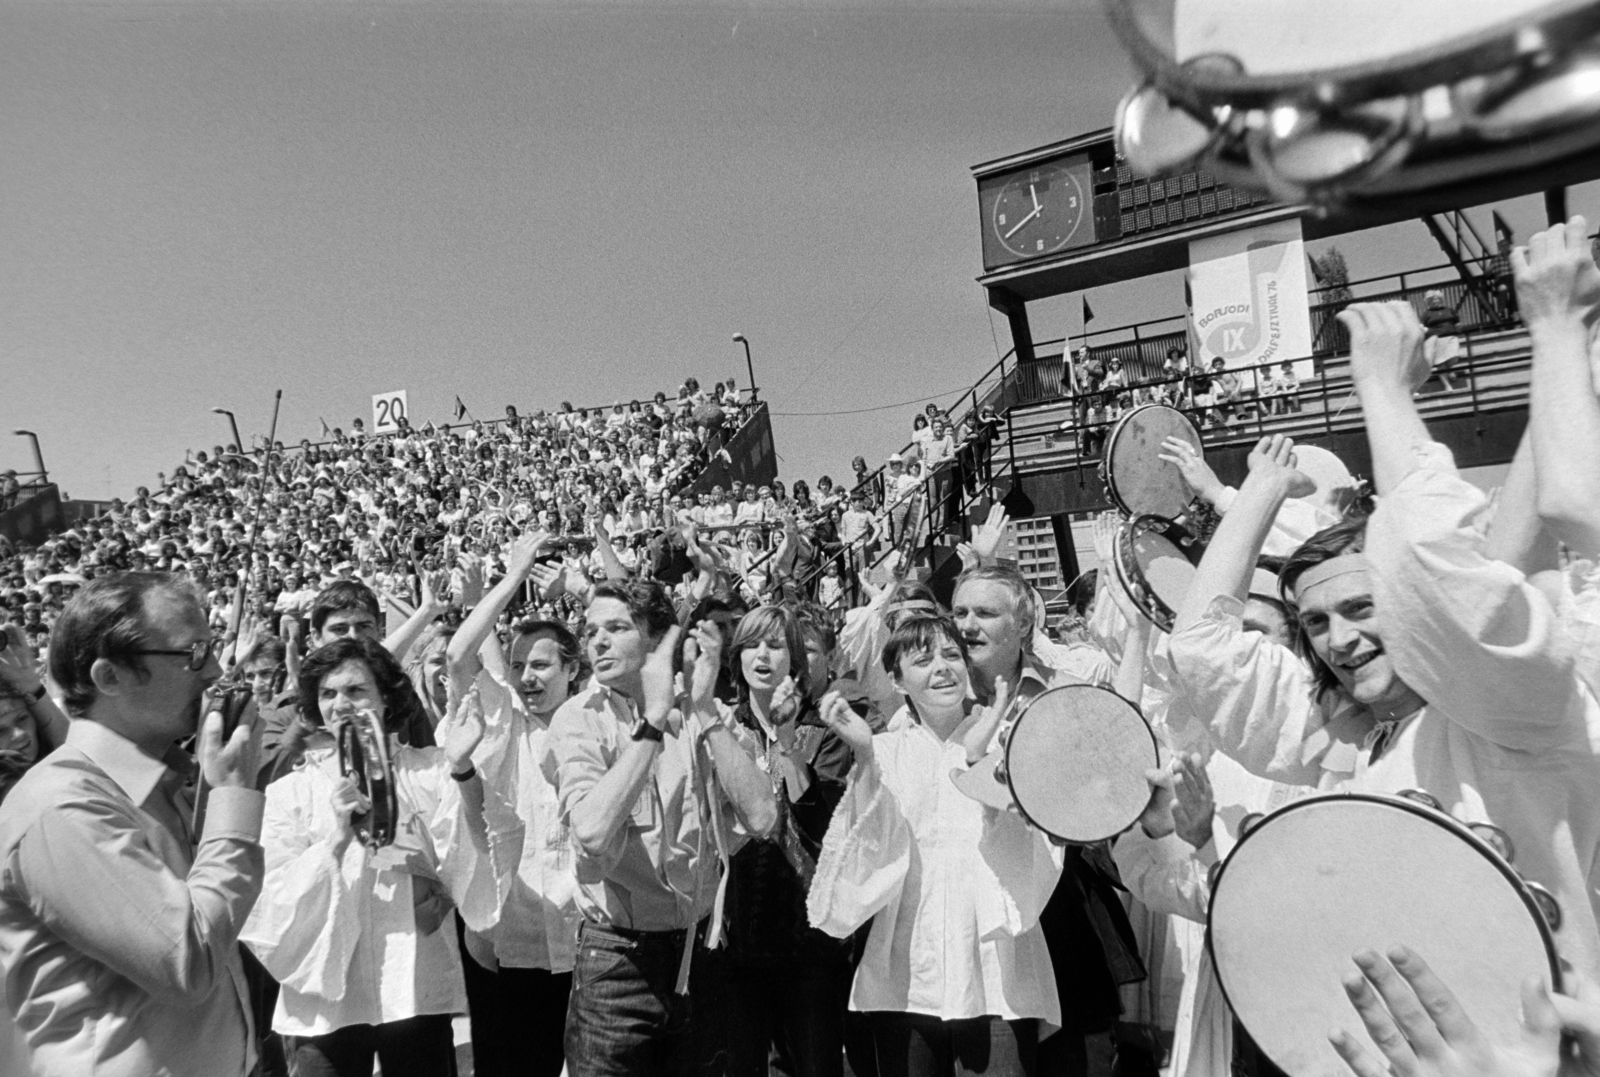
(956, 976)
(787, 979)
(358, 935)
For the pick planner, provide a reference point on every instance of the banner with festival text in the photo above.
(1250, 300)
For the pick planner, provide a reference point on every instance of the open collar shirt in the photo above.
(659, 870)
(119, 936)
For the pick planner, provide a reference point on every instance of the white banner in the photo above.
(387, 411)
(1249, 294)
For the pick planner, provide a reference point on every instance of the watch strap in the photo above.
(644, 730)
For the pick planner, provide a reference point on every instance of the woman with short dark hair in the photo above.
(956, 976)
(356, 933)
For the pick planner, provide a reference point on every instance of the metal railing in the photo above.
(1478, 376)
(1484, 302)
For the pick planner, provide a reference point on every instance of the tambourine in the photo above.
(1155, 562)
(1072, 762)
(364, 756)
(1324, 877)
(1136, 479)
(1306, 101)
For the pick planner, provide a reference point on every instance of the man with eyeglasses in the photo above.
(118, 926)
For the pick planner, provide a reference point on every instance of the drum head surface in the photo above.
(1327, 876)
(1138, 480)
(1167, 572)
(1076, 760)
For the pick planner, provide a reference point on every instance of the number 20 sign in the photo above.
(387, 411)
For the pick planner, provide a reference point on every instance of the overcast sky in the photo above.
(517, 203)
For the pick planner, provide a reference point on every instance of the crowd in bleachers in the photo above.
(402, 512)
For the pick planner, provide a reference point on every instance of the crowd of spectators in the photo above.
(403, 513)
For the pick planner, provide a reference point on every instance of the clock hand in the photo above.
(1014, 228)
(1035, 195)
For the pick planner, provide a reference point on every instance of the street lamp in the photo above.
(238, 442)
(738, 338)
(38, 457)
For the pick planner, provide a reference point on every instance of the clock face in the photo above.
(1039, 210)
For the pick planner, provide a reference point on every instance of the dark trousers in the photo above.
(519, 1019)
(625, 1016)
(917, 1045)
(415, 1047)
(798, 1010)
(263, 1001)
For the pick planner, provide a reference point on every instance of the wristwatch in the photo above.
(644, 730)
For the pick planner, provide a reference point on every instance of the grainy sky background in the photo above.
(520, 202)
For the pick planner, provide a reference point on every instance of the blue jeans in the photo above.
(625, 1017)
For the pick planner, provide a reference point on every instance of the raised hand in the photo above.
(1556, 277)
(1422, 1031)
(1273, 458)
(1386, 344)
(474, 573)
(237, 762)
(548, 580)
(1103, 533)
(969, 557)
(1156, 819)
(981, 733)
(702, 662)
(1192, 466)
(853, 729)
(658, 678)
(785, 708)
(525, 553)
(987, 535)
(463, 738)
(1193, 805)
(17, 667)
(348, 801)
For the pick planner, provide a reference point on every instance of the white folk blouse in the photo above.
(953, 889)
(340, 934)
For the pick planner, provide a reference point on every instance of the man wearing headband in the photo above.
(1436, 668)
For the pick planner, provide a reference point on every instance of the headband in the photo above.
(1327, 570)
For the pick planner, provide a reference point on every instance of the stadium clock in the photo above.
(1037, 210)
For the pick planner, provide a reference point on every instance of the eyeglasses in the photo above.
(198, 654)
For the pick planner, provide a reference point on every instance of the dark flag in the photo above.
(1502, 231)
(461, 410)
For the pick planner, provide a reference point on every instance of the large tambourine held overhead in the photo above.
(1137, 480)
(1073, 763)
(1304, 100)
(1322, 878)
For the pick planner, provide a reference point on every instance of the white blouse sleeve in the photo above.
(476, 880)
(1026, 866)
(499, 764)
(1257, 698)
(865, 856)
(1470, 635)
(308, 919)
(1166, 874)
